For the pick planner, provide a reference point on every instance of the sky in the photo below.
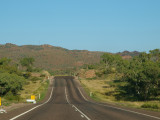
(95, 25)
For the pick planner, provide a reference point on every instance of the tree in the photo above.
(27, 62)
(155, 55)
(111, 63)
(5, 61)
(142, 78)
(10, 83)
(7, 66)
(107, 59)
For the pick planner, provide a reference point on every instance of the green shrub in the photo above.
(153, 106)
(42, 75)
(109, 93)
(27, 75)
(10, 96)
(10, 83)
(35, 79)
(37, 70)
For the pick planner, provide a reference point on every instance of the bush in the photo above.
(142, 78)
(37, 70)
(109, 93)
(34, 79)
(27, 75)
(11, 97)
(11, 82)
(42, 75)
(153, 106)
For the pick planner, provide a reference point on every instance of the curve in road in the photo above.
(68, 103)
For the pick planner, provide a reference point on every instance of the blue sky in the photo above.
(96, 25)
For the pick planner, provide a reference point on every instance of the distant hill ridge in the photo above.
(50, 57)
(127, 53)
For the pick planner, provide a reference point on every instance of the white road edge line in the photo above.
(129, 111)
(82, 94)
(121, 108)
(33, 107)
(66, 96)
(75, 106)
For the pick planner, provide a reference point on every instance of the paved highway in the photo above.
(67, 101)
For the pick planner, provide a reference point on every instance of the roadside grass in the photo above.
(62, 75)
(35, 85)
(103, 90)
(42, 90)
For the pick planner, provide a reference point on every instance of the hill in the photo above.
(127, 53)
(50, 57)
(55, 58)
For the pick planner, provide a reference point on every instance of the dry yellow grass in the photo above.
(100, 87)
(29, 89)
(34, 88)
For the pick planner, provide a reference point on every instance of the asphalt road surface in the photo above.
(67, 102)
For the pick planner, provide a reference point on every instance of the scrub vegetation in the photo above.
(19, 81)
(131, 82)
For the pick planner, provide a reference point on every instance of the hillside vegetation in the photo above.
(49, 57)
(54, 58)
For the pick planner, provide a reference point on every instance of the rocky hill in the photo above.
(128, 53)
(55, 58)
(50, 57)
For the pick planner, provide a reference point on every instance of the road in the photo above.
(67, 102)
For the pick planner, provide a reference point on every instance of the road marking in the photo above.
(76, 109)
(120, 108)
(33, 107)
(82, 116)
(82, 113)
(82, 94)
(129, 111)
(67, 96)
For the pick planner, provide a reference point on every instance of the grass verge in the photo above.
(104, 91)
(34, 86)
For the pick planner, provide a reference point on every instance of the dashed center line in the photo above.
(76, 109)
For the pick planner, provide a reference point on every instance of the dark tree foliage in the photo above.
(10, 83)
(142, 77)
(11, 79)
(27, 62)
(5, 66)
(111, 63)
(4, 61)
